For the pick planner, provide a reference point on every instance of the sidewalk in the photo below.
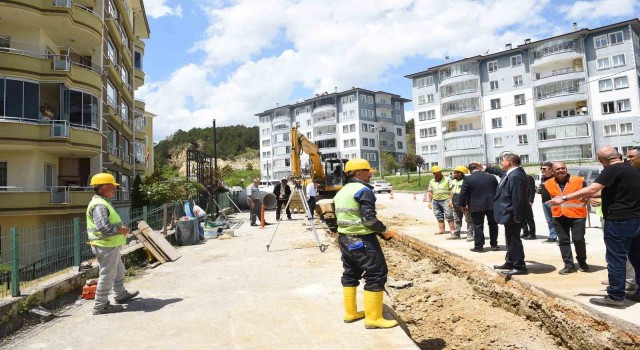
(228, 294)
(543, 259)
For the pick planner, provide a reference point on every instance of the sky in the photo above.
(231, 59)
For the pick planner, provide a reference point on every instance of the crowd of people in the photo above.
(505, 196)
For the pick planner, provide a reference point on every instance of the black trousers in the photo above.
(478, 228)
(515, 251)
(528, 224)
(312, 205)
(281, 203)
(362, 257)
(563, 225)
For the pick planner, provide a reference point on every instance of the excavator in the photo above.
(329, 176)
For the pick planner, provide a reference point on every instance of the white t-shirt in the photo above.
(311, 190)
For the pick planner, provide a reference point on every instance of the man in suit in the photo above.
(529, 225)
(508, 210)
(476, 197)
(282, 192)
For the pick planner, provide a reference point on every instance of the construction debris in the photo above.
(156, 243)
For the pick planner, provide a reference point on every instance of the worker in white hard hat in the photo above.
(439, 198)
(107, 234)
(456, 185)
(362, 257)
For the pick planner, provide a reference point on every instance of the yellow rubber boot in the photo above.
(351, 313)
(373, 311)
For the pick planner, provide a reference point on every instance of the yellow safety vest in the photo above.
(440, 189)
(96, 237)
(348, 211)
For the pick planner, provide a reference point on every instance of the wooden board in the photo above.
(159, 241)
(150, 247)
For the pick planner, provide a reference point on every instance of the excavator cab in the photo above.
(334, 172)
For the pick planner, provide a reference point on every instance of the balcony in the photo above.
(138, 78)
(558, 75)
(552, 120)
(555, 51)
(59, 137)
(466, 133)
(561, 96)
(50, 200)
(28, 58)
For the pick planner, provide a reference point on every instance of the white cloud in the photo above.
(159, 8)
(591, 10)
(322, 45)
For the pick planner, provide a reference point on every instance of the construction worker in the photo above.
(571, 215)
(439, 198)
(107, 234)
(456, 186)
(362, 257)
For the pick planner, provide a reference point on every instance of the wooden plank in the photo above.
(142, 226)
(160, 241)
(149, 246)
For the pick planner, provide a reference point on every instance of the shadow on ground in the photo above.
(537, 268)
(150, 304)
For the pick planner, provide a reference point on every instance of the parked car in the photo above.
(380, 186)
(268, 185)
(589, 172)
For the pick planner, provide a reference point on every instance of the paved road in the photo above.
(227, 294)
(543, 259)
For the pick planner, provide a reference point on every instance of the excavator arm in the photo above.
(299, 144)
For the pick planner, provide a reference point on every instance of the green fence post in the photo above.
(15, 263)
(145, 214)
(76, 242)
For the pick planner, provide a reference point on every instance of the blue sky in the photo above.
(231, 59)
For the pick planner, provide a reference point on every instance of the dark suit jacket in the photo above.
(477, 192)
(531, 186)
(511, 196)
(278, 188)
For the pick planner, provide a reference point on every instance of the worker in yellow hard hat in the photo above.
(362, 257)
(107, 234)
(456, 185)
(439, 198)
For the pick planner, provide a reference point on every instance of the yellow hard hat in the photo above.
(103, 179)
(461, 168)
(436, 169)
(357, 164)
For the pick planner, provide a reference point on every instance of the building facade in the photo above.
(68, 71)
(558, 98)
(356, 123)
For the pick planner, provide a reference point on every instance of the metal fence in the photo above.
(28, 255)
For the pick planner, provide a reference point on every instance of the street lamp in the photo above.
(379, 129)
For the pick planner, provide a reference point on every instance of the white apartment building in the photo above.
(558, 98)
(356, 123)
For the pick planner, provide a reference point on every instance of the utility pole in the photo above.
(215, 165)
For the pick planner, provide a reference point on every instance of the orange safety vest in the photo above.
(573, 208)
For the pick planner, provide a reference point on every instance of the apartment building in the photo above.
(68, 70)
(558, 98)
(356, 123)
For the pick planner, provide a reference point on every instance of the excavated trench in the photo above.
(455, 303)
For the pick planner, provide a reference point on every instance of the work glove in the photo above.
(430, 205)
(387, 235)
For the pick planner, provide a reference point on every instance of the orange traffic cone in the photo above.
(414, 196)
(424, 197)
(262, 216)
(390, 194)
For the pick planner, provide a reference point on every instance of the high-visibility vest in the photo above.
(573, 208)
(96, 237)
(440, 189)
(348, 211)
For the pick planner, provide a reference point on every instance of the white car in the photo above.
(380, 186)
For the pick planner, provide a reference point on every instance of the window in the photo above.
(370, 99)
(519, 100)
(365, 142)
(608, 107)
(605, 85)
(421, 100)
(349, 143)
(523, 139)
(352, 128)
(600, 41)
(370, 113)
(618, 60)
(517, 80)
(492, 66)
(610, 130)
(397, 104)
(307, 109)
(495, 103)
(493, 85)
(521, 119)
(431, 114)
(626, 128)
(3, 175)
(422, 116)
(496, 123)
(399, 145)
(372, 142)
(308, 122)
(345, 129)
(565, 113)
(616, 38)
(603, 63)
(497, 142)
(112, 53)
(399, 132)
(21, 99)
(563, 132)
(433, 148)
(621, 82)
(623, 105)
(431, 132)
(516, 60)
(137, 60)
(363, 98)
(111, 94)
(430, 98)
(524, 159)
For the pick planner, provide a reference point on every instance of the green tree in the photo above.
(410, 129)
(138, 199)
(389, 163)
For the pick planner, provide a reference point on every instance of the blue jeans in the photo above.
(441, 210)
(622, 240)
(547, 215)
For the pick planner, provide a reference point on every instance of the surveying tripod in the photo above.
(298, 189)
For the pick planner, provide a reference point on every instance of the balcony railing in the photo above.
(59, 62)
(126, 157)
(560, 92)
(556, 47)
(113, 150)
(57, 194)
(567, 70)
